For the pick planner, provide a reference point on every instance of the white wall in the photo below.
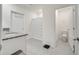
(37, 24)
(49, 25)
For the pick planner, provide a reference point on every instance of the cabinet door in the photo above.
(12, 45)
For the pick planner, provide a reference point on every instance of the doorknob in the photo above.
(77, 39)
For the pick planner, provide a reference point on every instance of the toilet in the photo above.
(64, 36)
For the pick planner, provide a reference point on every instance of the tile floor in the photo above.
(35, 47)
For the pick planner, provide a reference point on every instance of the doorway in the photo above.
(0, 28)
(65, 29)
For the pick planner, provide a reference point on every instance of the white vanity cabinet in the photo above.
(12, 45)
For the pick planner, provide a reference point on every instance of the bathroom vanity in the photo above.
(14, 27)
(13, 42)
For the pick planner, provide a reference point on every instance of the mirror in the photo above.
(17, 22)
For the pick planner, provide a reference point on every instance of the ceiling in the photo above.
(41, 5)
(38, 6)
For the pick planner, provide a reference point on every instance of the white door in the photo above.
(0, 27)
(76, 41)
(65, 23)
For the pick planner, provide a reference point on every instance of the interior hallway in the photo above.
(35, 47)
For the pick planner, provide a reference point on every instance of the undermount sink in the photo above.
(12, 33)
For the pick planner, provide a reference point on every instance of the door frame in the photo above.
(76, 31)
(0, 28)
(74, 25)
